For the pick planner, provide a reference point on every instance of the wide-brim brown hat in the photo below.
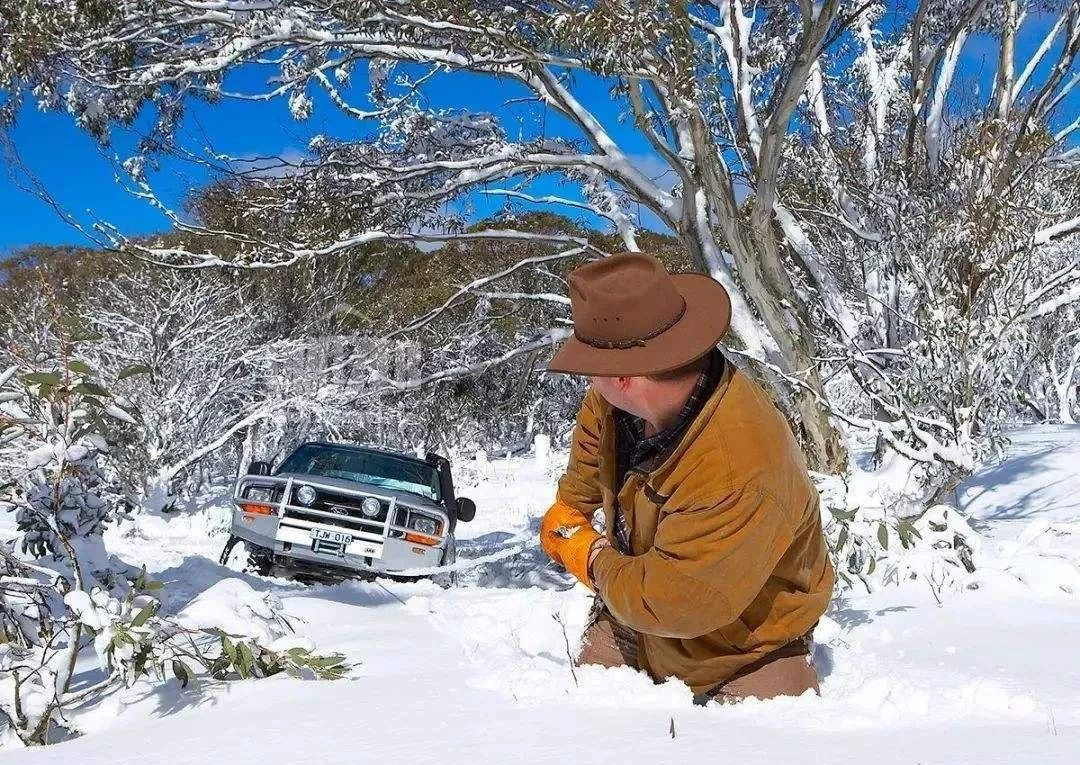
(633, 318)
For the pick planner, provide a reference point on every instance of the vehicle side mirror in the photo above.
(466, 509)
(258, 468)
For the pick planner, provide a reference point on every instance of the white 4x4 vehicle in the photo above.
(332, 511)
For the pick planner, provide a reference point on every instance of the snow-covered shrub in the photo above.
(60, 591)
(205, 375)
(873, 545)
(1046, 377)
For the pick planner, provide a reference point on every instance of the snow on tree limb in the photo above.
(858, 221)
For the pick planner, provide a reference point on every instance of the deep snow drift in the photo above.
(480, 673)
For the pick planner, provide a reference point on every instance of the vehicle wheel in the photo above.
(230, 543)
(447, 579)
(259, 561)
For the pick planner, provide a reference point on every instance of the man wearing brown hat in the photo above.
(713, 568)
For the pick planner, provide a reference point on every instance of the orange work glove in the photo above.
(575, 553)
(571, 552)
(559, 515)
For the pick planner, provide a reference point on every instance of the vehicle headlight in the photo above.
(424, 525)
(370, 507)
(306, 495)
(259, 493)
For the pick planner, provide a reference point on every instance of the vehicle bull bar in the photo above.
(370, 530)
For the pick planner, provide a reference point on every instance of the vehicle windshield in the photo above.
(365, 466)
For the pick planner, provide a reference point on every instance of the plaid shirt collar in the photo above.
(635, 449)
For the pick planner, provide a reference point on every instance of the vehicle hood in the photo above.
(403, 497)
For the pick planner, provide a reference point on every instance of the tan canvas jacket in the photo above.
(728, 557)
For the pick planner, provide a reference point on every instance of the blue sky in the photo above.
(80, 175)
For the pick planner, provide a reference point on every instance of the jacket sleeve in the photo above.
(707, 564)
(580, 485)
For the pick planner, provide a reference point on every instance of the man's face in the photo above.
(621, 392)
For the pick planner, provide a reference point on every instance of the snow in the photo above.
(40, 457)
(234, 606)
(479, 673)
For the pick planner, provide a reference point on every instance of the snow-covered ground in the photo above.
(480, 674)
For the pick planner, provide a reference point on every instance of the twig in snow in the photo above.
(566, 640)
(936, 586)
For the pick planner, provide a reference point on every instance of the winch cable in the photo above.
(518, 545)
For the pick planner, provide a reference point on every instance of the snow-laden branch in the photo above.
(1057, 231)
(935, 118)
(1038, 56)
(549, 339)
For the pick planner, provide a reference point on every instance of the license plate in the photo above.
(335, 537)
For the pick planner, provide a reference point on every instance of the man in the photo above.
(713, 568)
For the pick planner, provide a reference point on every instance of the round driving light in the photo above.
(370, 507)
(306, 495)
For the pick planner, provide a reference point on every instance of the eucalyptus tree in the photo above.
(803, 148)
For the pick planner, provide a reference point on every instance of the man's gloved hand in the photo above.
(559, 518)
(567, 537)
(575, 553)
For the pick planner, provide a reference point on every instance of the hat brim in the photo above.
(706, 321)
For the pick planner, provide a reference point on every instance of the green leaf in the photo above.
(845, 516)
(883, 536)
(132, 370)
(841, 540)
(245, 663)
(91, 389)
(43, 378)
(219, 670)
(141, 660)
(229, 649)
(872, 566)
(80, 367)
(144, 615)
(153, 585)
(908, 533)
(267, 667)
(182, 672)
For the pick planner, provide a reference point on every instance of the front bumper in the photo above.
(397, 555)
(288, 534)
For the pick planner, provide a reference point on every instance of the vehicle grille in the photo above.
(346, 511)
(347, 506)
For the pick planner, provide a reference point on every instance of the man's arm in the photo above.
(580, 485)
(706, 566)
(578, 495)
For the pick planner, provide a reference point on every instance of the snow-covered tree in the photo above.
(1047, 378)
(61, 594)
(189, 356)
(801, 151)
